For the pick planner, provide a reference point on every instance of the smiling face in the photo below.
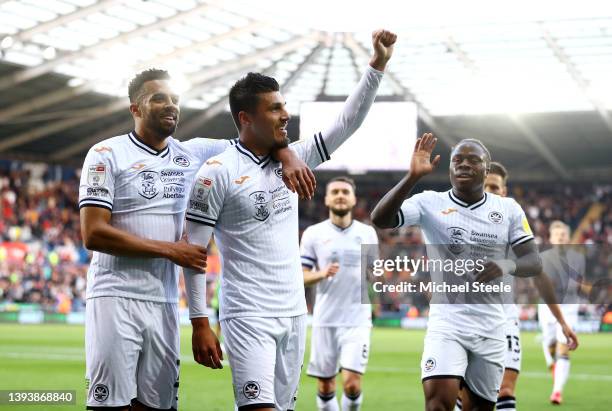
(340, 197)
(268, 122)
(157, 108)
(468, 167)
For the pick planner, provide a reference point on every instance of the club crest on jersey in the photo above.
(260, 203)
(496, 217)
(251, 390)
(279, 172)
(457, 239)
(100, 392)
(96, 175)
(429, 364)
(181, 161)
(148, 184)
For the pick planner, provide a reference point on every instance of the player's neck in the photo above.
(253, 145)
(469, 197)
(150, 138)
(341, 221)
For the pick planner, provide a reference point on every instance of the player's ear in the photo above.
(244, 118)
(135, 110)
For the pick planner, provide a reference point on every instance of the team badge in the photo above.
(278, 172)
(429, 365)
(251, 390)
(457, 239)
(148, 184)
(496, 217)
(100, 392)
(181, 161)
(260, 204)
(96, 175)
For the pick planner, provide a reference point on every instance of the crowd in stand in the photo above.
(43, 261)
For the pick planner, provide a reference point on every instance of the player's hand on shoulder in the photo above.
(421, 163)
(299, 178)
(205, 345)
(383, 42)
(188, 255)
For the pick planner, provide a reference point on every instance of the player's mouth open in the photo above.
(283, 130)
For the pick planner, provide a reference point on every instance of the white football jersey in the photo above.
(338, 299)
(147, 192)
(490, 226)
(255, 217)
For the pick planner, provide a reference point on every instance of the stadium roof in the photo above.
(537, 89)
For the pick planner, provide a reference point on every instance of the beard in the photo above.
(340, 212)
(158, 128)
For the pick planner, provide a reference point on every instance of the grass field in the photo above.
(52, 357)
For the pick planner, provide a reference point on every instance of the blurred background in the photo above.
(532, 81)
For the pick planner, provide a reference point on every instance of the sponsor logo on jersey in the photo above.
(100, 392)
(148, 184)
(96, 175)
(251, 390)
(102, 149)
(198, 206)
(260, 204)
(496, 217)
(213, 162)
(457, 239)
(449, 210)
(181, 161)
(241, 179)
(429, 365)
(279, 172)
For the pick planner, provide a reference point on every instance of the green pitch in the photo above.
(52, 357)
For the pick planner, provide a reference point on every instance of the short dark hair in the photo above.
(147, 75)
(342, 179)
(243, 95)
(477, 142)
(499, 169)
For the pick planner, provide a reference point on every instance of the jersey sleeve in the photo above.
(411, 211)
(373, 249)
(307, 251)
(318, 147)
(205, 148)
(97, 186)
(519, 231)
(208, 194)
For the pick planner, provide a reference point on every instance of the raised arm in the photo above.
(385, 212)
(360, 100)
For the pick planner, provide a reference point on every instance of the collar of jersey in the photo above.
(462, 203)
(147, 148)
(261, 161)
(340, 229)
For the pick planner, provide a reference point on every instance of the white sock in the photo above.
(562, 369)
(351, 404)
(327, 402)
(549, 359)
